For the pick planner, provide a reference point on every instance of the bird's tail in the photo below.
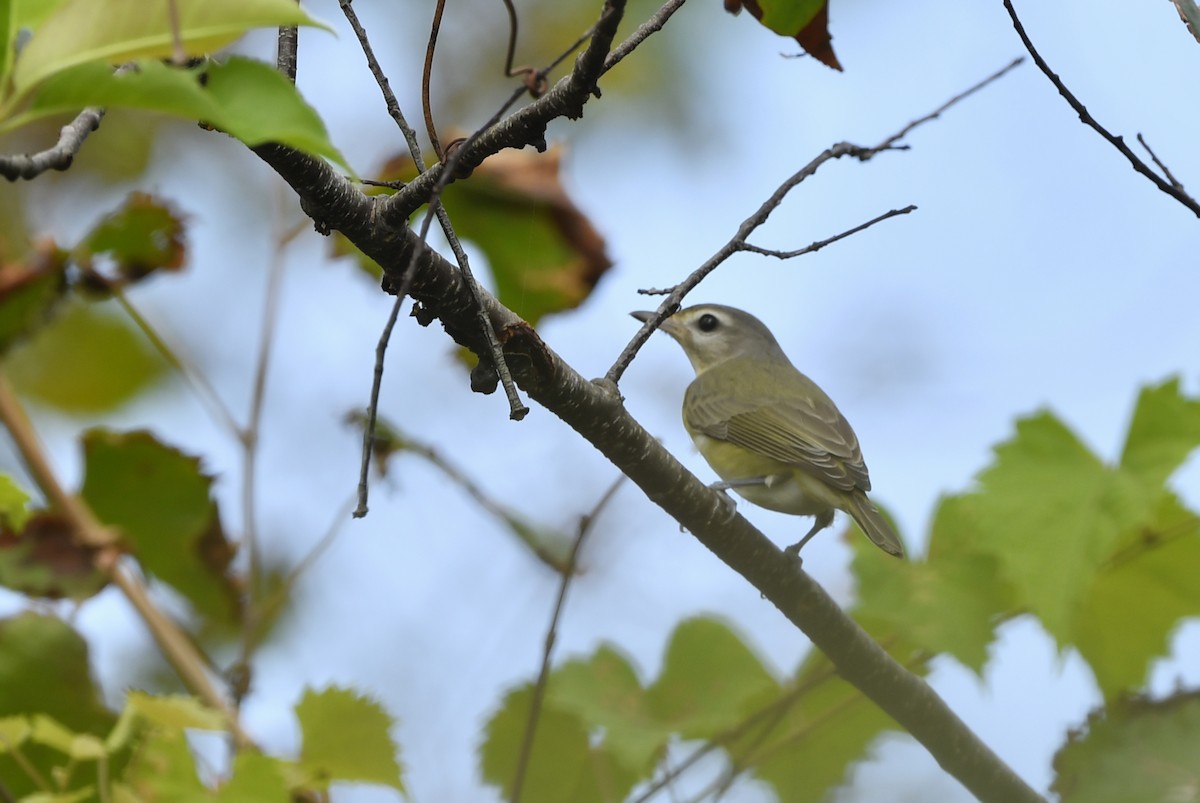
(874, 524)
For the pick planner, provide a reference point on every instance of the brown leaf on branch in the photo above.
(46, 560)
(544, 253)
(806, 21)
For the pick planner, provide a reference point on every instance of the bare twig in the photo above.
(819, 244)
(250, 441)
(205, 393)
(60, 157)
(364, 471)
(595, 410)
(427, 76)
(389, 97)
(539, 689)
(1172, 187)
(178, 649)
(936, 113)
(653, 25)
(287, 45)
(737, 243)
(1166, 170)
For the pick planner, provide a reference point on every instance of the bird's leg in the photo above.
(728, 503)
(822, 521)
(727, 485)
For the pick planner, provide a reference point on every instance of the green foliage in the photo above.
(161, 502)
(1134, 749)
(143, 236)
(29, 292)
(68, 65)
(14, 503)
(88, 360)
(543, 253)
(119, 31)
(1104, 555)
(346, 738)
(45, 689)
(600, 731)
(1117, 549)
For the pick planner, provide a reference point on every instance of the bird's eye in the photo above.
(707, 322)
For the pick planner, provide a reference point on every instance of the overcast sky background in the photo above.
(1039, 272)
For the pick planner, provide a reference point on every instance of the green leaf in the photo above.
(29, 293)
(44, 670)
(256, 779)
(807, 748)
(604, 692)
(174, 711)
(562, 766)
(14, 504)
(246, 99)
(345, 737)
(1133, 750)
(1164, 431)
(544, 254)
(161, 501)
(258, 105)
(1051, 512)
(1139, 599)
(45, 560)
(13, 732)
(143, 236)
(950, 603)
(78, 746)
(806, 21)
(710, 680)
(162, 769)
(87, 361)
(120, 31)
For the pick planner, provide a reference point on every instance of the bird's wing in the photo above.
(801, 429)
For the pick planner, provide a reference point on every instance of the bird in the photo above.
(772, 435)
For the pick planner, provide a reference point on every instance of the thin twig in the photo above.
(60, 157)
(364, 471)
(205, 393)
(1172, 188)
(773, 710)
(653, 25)
(819, 244)
(178, 54)
(737, 243)
(250, 442)
(178, 649)
(389, 97)
(936, 113)
(426, 77)
(1166, 170)
(539, 689)
(335, 529)
(287, 45)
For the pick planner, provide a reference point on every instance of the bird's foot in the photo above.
(728, 504)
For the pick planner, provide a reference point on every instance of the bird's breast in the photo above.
(787, 489)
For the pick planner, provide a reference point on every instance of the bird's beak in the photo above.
(669, 325)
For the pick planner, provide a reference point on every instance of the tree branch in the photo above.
(60, 157)
(595, 410)
(1172, 187)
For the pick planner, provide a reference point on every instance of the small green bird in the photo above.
(768, 431)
